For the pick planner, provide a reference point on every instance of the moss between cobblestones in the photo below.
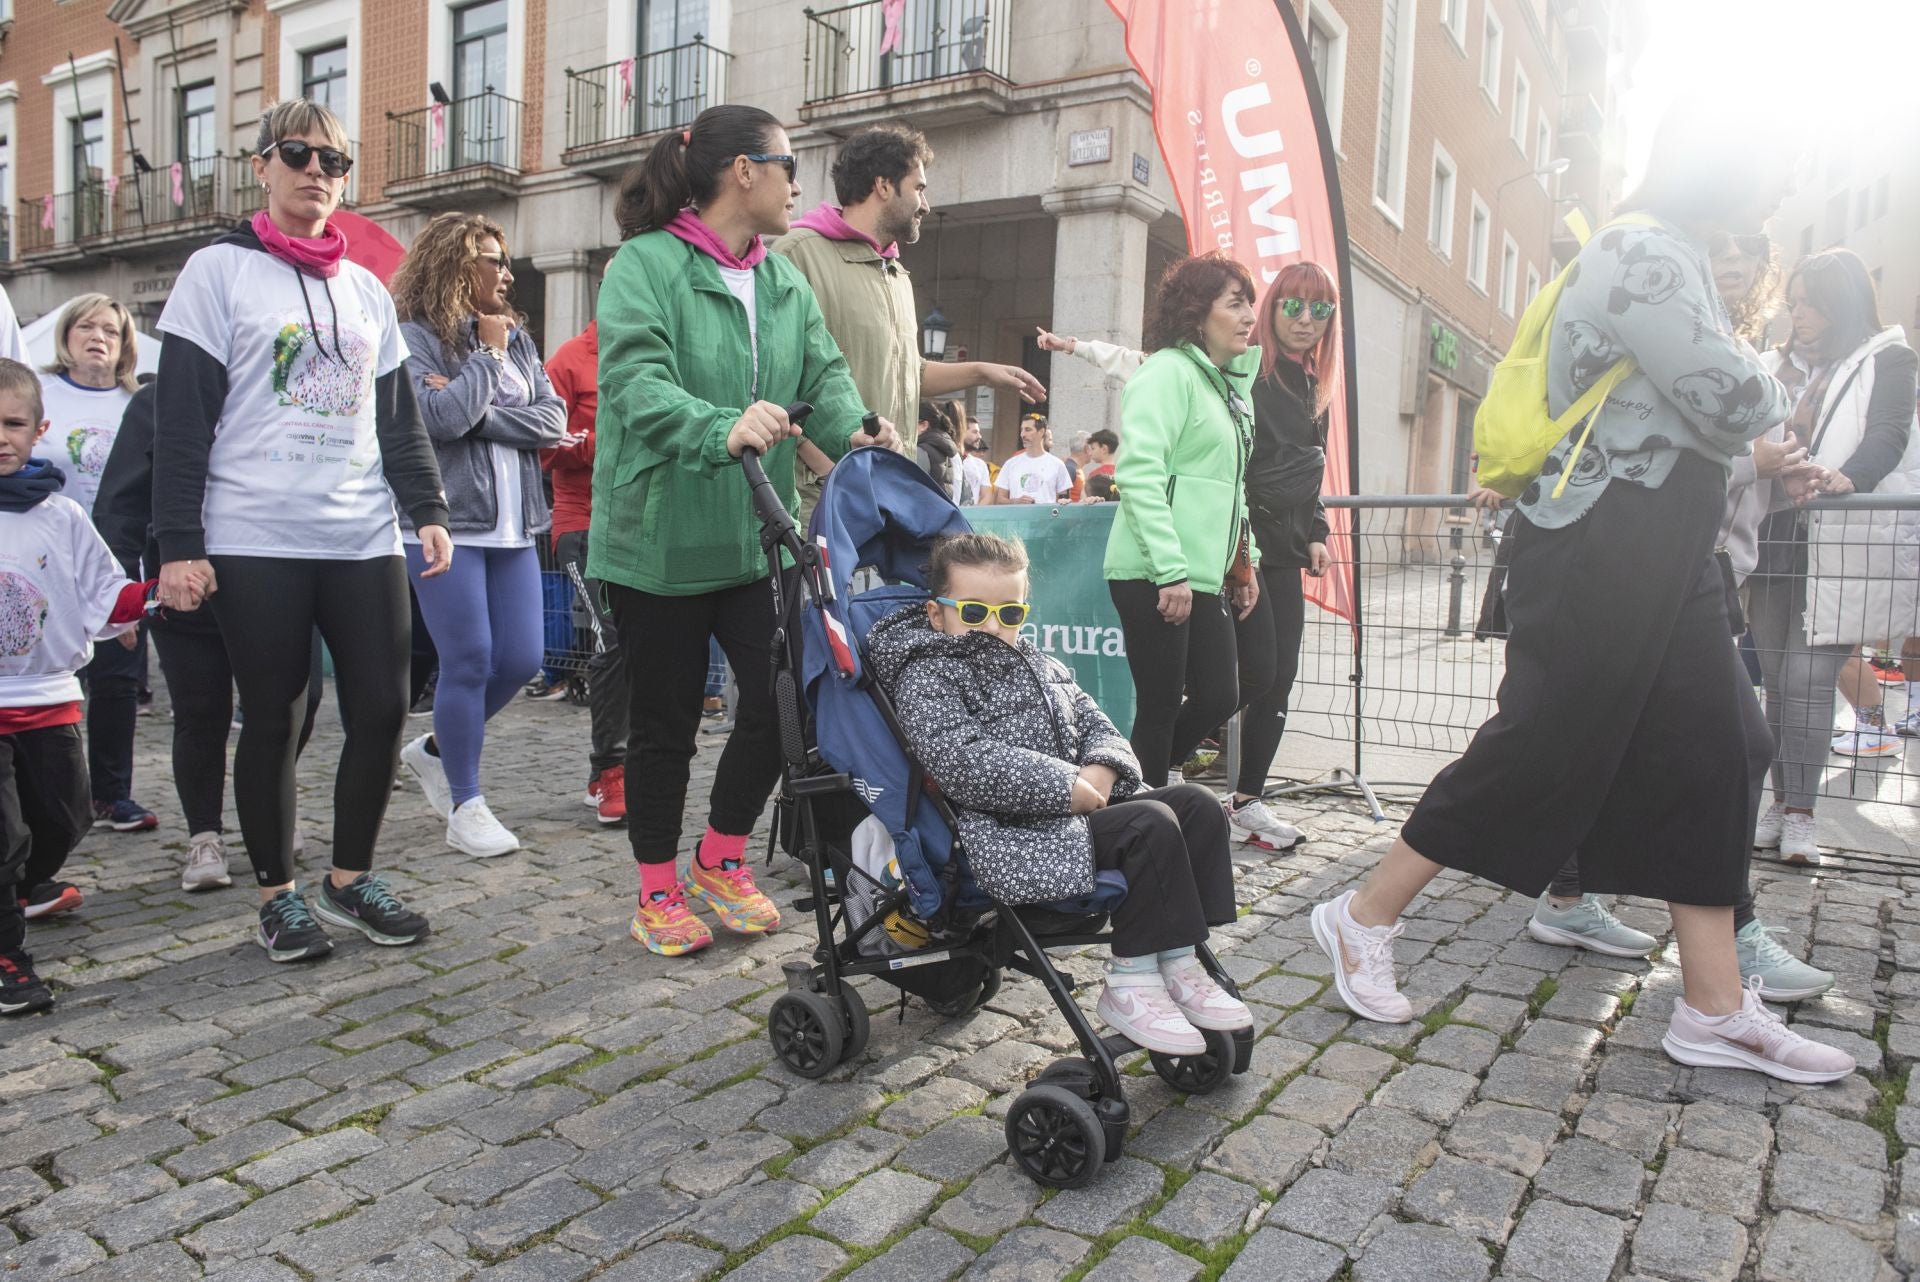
(1627, 999)
(1542, 994)
(1892, 1092)
(560, 1075)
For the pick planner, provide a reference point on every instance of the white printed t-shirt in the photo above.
(1044, 479)
(58, 587)
(295, 468)
(85, 421)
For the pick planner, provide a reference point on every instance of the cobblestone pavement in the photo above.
(530, 1095)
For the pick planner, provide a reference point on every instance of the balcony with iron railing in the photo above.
(1583, 125)
(941, 62)
(445, 155)
(615, 111)
(149, 209)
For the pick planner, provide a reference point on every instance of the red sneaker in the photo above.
(611, 794)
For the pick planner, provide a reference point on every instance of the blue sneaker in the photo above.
(366, 905)
(1585, 924)
(1783, 977)
(124, 816)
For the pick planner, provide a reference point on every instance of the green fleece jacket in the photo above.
(671, 511)
(1181, 472)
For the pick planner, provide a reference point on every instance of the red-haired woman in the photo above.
(1297, 345)
(1188, 432)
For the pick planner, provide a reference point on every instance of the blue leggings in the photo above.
(485, 617)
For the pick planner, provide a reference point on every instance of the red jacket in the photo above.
(575, 373)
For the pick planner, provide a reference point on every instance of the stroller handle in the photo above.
(765, 501)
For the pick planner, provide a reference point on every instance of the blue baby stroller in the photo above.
(940, 937)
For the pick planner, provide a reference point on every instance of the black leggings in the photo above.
(1171, 844)
(663, 640)
(1184, 679)
(113, 679)
(267, 608)
(1269, 644)
(193, 659)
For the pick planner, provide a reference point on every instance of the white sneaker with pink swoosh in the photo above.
(1362, 958)
(1752, 1037)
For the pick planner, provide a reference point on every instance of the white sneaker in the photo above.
(1256, 825)
(431, 774)
(1868, 738)
(1752, 1037)
(1362, 960)
(1797, 845)
(1201, 999)
(472, 829)
(206, 863)
(1766, 833)
(1139, 1008)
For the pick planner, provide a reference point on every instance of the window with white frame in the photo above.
(1543, 150)
(1492, 38)
(1395, 107)
(1327, 48)
(1440, 203)
(1509, 273)
(1533, 284)
(320, 54)
(1453, 16)
(1479, 226)
(83, 123)
(1522, 107)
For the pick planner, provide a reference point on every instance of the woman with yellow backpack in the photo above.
(1618, 661)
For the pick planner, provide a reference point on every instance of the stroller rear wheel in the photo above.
(1055, 1137)
(807, 1032)
(855, 1008)
(1200, 1074)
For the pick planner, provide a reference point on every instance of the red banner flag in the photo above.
(1238, 115)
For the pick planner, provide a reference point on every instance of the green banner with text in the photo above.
(1073, 617)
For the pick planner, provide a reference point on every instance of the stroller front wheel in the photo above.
(1055, 1137)
(1200, 1074)
(806, 1031)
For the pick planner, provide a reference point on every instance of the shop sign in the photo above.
(1443, 348)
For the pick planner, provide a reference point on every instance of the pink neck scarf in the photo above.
(831, 221)
(688, 227)
(316, 255)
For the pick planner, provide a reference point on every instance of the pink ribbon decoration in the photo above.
(176, 172)
(438, 115)
(891, 12)
(626, 81)
(113, 185)
(46, 213)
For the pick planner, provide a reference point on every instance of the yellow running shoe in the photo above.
(667, 926)
(730, 892)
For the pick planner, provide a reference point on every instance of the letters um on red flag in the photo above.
(1240, 123)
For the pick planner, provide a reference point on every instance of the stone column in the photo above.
(1099, 275)
(569, 289)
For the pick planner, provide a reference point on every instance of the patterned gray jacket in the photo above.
(1647, 292)
(1003, 730)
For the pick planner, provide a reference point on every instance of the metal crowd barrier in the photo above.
(1409, 685)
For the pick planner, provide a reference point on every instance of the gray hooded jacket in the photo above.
(1003, 730)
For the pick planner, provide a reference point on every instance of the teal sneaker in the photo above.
(1587, 925)
(1783, 977)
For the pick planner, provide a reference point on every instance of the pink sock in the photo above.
(658, 879)
(717, 847)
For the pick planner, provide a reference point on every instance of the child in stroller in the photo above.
(1048, 792)
(848, 764)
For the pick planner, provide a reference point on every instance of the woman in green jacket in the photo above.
(704, 338)
(1186, 431)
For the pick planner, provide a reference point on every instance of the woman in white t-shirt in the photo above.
(286, 435)
(86, 390)
(489, 408)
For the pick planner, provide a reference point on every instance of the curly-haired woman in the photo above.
(490, 410)
(286, 435)
(1189, 430)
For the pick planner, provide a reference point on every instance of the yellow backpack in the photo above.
(1513, 431)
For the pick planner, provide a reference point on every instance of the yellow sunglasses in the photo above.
(976, 613)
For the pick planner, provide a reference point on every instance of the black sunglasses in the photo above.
(763, 158)
(295, 154)
(500, 261)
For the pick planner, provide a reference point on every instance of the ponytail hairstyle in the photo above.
(973, 551)
(1309, 281)
(684, 168)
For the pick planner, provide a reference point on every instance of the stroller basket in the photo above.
(846, 763)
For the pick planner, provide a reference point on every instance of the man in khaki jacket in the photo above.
(851, 257)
